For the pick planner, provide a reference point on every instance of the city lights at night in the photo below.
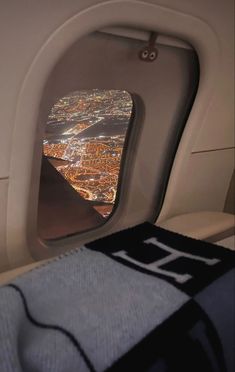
(84, 139)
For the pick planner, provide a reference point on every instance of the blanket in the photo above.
(143, 299)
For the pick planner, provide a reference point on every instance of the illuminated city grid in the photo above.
(86, 131)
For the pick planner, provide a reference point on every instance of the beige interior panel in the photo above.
(217, 131)
(25, 26)
(8, 276)
(228, 242)
(229, 206)
(200, 225)
(3, 210)
(223, 134)
(203, 184)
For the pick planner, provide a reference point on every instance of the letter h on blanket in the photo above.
(173, 255)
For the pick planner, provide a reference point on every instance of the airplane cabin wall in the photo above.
(206, 152)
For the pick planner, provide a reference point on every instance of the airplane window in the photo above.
(82, 149)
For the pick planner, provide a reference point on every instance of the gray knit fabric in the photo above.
(107, 306)
(218, 301)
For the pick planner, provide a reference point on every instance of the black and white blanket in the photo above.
(143, 299)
